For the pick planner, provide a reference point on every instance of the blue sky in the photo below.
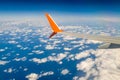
(71, 11)
(66, 6)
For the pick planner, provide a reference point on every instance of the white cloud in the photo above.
(43, 60)
(76, 78)
(64, 71)
(25, 69)
(30, 53)
(32, 76)
(9, 70)
(85, 65)
(70, 57)
(1, 50)
(12, 79)
(20, 59)
(37, 46)
(38, 51)
(42, 40)
(24, 48)
(56, 58)
(12, 42)
(4, 58)
(67, 49)
(69, 38)
(3, 62)
(56, 42)
(82, 55)
(49, 47)
(105, 66)
(92, 41)
(46, 74)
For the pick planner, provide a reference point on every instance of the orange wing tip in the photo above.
(53, 25)
(46, 14)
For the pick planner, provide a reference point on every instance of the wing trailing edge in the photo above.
(109, 46)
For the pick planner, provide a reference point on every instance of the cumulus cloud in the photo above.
(49, 47)
(78, 56)
(37, 46)
(20, 59)
(3, 62)
(46, 73)
(82, 55)
(32, 76)
(25, 69)
(56, 58)
(38, 51)
(20, 46)
(43, 60)
(67, 49)
(85, 65)
(92, 41)
(64, 71)
(12, 42)
(9, 70)
(1, 50)
(69, 38)
(106, 65)
(42, 40)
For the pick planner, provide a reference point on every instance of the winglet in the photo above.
(53, 25)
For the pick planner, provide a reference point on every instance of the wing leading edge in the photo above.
(111, 42)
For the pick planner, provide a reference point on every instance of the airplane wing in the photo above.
(111, 42)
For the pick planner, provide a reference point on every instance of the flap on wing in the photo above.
(104, 46)
(109, 46)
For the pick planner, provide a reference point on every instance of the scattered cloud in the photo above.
(64, 71)
(69, 38)
(20, 59)
(56, 58)
(67, 49)
(49, 47)
(105, 66)
(85, 65)
(39, 61)
(3, 62)
(38, 51)
(1, 50)
(12, 42)
(9, 70)
(42, 40)
(46, 74)
(82, 55)
(25, 69)
(32, 76)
